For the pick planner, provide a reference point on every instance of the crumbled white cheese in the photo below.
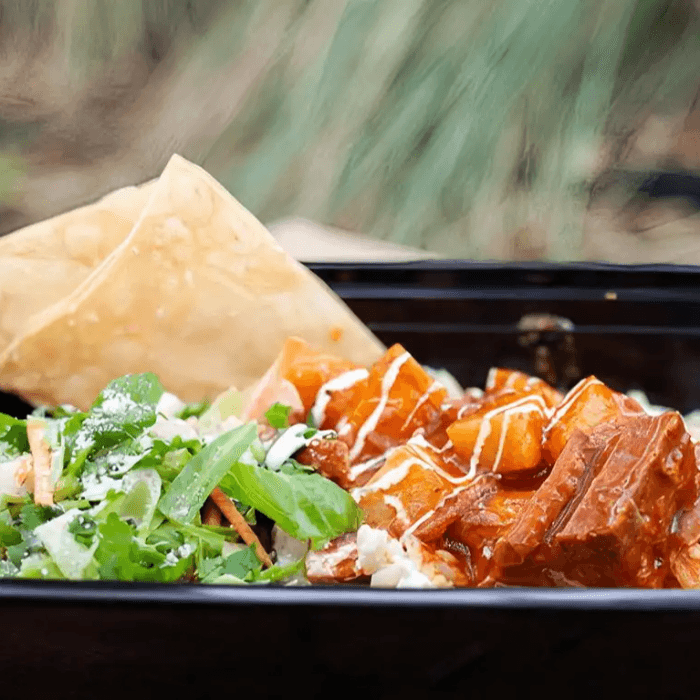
(70, 556)
(288, 548)
(388, 563)
(166, 429)
(169, 405)
(96, 486)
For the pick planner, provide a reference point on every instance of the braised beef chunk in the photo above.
(336, 562)
(482, 523)
(330, 458)
(604, 515)
(530, 536)
(589, 404)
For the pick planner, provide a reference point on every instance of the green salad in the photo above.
(118, 492)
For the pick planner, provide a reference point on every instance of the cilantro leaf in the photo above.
(31, 516)
(13, 436)
(84, 530)
(278, 416)
(9, 534)
(240, 564)
(120, 412)
(121, 556)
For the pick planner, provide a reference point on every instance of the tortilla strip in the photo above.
(41, 457)
(238, 523)
(198, 292)
(44, 262)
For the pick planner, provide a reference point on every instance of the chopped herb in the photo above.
(278, 416)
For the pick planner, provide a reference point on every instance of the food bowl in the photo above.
(633, 327)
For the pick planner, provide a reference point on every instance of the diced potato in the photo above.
(500, 379)
(410, 486)
(504, 436)
(398, 398)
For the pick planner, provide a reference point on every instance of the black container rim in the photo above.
(121, 593)
(527, 266)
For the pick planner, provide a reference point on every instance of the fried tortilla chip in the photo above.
(43, 263)
(198, 292)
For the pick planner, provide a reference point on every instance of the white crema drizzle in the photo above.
(435, 386)
(345, 381)
(370, 424)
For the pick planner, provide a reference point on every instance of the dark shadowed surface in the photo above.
(109, 651)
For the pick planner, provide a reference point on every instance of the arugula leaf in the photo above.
(278, 416)
(169, 458)
(142, 487)
(305, 506)
(67, 486)
(145, 390)
(187, 493)
(13, 436)
(80, 504)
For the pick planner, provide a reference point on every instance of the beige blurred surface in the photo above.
(310, 242)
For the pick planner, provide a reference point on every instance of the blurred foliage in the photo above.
(473, 128)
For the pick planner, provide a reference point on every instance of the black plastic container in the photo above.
(634, 327)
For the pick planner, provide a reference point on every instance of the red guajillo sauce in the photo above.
(518, 485)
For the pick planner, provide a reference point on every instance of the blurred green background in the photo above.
(508, 129)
